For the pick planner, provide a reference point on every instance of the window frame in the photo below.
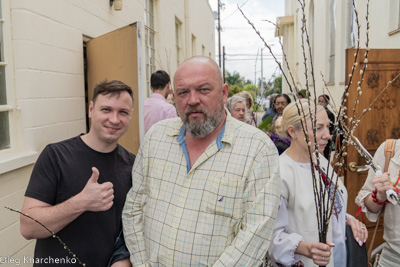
(5, 108)
(150, 50)
(17, 155)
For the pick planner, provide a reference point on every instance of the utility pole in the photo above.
(219, 32)
(262, 83)
(255, 70)
(223, 64)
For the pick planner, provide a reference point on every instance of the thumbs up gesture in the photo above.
(95, 196)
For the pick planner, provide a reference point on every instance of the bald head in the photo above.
(200, 95)
(201, 60)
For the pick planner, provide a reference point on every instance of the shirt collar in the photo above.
(158, 96)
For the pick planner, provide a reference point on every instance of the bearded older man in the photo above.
(205, 186)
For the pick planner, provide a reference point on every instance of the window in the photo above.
(311, 28)
(4, 108)
(352, 31)
(178, 41)
(193, 45)
(311, 34)
(149, 40)
(394, 17)
(332, 38)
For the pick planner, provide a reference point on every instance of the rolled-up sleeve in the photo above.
(368, 187)
(284, 244)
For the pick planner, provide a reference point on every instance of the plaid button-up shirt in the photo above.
(219, 212)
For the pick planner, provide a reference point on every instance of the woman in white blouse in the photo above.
(295, 240)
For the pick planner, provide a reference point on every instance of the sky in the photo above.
(242, 44)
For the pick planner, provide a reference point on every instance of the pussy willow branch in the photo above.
(362, 72)
(284, 75)
(269, 48)
(351, 75)
(317, 197)
(285, 60)
(379, 96)
(318, 184)
(52, 234)
(348, 129)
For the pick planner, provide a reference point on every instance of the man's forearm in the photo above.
(54, 218)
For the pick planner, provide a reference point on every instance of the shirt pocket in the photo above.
(223, 197)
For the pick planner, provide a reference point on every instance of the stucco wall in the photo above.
(45, 79)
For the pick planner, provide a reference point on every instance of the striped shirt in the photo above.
(220, 211)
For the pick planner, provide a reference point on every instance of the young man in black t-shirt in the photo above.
(78, 187)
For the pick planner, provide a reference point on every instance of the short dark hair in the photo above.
(327, 98)
(112, 88)
(159, 79)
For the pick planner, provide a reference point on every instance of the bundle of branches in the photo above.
(346, 126)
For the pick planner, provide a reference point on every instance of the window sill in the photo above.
(394, 32)
(15, 160)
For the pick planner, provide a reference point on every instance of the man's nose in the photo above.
(114, 117)
(193, 98)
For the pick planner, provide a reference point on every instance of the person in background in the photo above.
(323, 100)
(296, 231)
(372, 199)
(270, 110)
(281, 142)
(303, 94)
(254, 118)
(236, 105)
(156, 107)
(280, 103)
(78, 187)
(205, 186)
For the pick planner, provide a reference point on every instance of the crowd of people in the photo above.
(206, 188)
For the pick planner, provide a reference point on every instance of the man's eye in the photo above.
(105, 109)
(182, 93)
(204, 90)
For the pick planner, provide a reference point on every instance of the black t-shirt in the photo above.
(61, 172)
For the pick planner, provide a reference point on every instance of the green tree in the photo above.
(234, 89)
(234, 79)
(278, 84)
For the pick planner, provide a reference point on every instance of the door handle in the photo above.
(359, 168)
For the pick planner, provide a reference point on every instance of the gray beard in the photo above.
(196, 129)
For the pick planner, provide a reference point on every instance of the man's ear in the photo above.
(91, 106)
(225, 92)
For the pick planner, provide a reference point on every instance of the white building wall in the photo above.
(43, 41)
(384, 33)
(197, 19)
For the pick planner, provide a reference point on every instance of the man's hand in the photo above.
(95, 196)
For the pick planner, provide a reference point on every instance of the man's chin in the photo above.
(196, 120)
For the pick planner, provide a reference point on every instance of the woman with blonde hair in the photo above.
(295, 239)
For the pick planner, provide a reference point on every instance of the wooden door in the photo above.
(115, 56)
(381, 123)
